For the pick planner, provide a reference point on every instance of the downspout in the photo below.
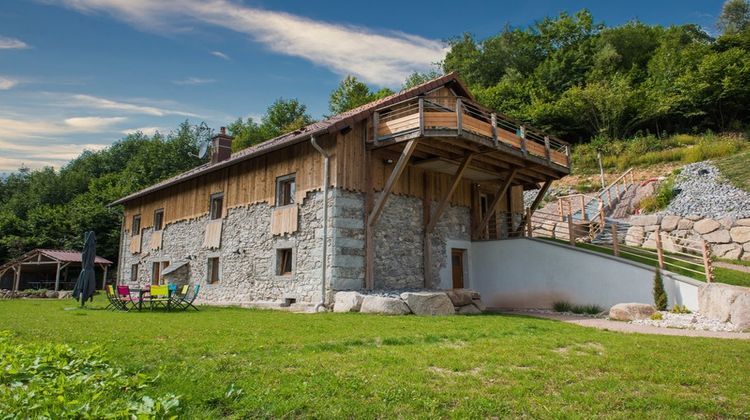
(326, 176)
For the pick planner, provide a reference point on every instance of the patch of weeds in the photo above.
(677, 309)
(563, 306)
(657, 316)
(664, 195)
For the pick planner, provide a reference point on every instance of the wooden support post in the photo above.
(17, 280)
(493, 207)
(709, 270)
(560, 209)
(447, 199)
(421, 116)
(493, 119)
(57, 277)
(659, 248)
(615, 241)
(395, 175)
(601, 217)
(375, 123)
(571, 236)
(522, 129)
(104, 280)
(584, 216)
(547, 151)
(537, 200)
(459, 116)
(529, 231)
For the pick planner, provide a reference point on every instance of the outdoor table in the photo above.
(141, 291)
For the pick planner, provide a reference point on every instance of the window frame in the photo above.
(284, 257)
(160, 214)
(281, 192)
(155, 272)
(134, 273)
(213, 270)
(219, 196)
(133, 230)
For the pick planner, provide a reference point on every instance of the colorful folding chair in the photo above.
(114, 301)
(185, 299)
(159, 296)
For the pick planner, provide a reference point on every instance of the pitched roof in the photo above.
(329, 125)
(62, 255)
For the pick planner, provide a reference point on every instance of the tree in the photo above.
(660, 295)
(418, 78)
(352, 93)
(284, 115)
(734, 17)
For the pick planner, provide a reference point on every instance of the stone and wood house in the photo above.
(390, 195)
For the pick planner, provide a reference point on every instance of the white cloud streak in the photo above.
(8, 83)
(149, 131)
(17, 128)
(220, 55)
(12, 44)
(383, 57)
(191, 81)
(96, 102)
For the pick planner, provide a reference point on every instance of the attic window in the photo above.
(285, 190)
(159, 219)
(136, 229)
(217, 206)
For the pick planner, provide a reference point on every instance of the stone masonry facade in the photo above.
(248, 250)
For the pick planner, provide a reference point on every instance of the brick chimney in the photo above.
(221, 146)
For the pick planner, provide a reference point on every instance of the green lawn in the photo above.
(736, 169)
(353, 365)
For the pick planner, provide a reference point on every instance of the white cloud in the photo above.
(131, 107)
(19, 128)
(149, 131)
(193, 81)
(12, 44)
(92, 123)
(220, 55)
(8, 83)
(384, 57)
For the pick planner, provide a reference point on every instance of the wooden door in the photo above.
(457, 261)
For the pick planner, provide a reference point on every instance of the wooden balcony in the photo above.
(435, 117)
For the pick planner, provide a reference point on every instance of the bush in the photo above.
(662, 197)
(660, 295)
(657, 316)
(58, 381)
(563, 306)
(677, 309)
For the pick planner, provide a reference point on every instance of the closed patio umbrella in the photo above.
(86, 284)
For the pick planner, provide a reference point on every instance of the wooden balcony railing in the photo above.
(429, 116)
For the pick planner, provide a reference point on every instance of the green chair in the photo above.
(160, 296)
(185, 298)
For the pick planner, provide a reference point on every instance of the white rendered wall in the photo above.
(524, 273)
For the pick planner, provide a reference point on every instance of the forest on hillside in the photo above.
(570, 75)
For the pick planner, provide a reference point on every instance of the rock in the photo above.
(469, 309)
(460, 297)
(347, 302)
(651, 228)
(50, 294)
(746, 247)
(650, 242)
(429, 303)
(384, 306)
(634, 237)
(669, 223)
(670, 245)
(64, 294)
(706, 226)
(631, 311)
(726, 222)
(693, 217)
(740, 234)
(742, 222)
(725, 303)
(645, 220)
(479, 304)
(718, 237)
(685, 224)
(728, 251)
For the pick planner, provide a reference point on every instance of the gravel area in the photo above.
(703, 192)
(693, 321)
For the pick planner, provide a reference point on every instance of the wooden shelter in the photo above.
(45, 268)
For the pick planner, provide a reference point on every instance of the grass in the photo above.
(736, 169)
(246, 363)
(662, 197)
(565, 306)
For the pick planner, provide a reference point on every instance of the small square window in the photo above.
(217, 206)
(136, 230)
(159, 219)
(134, 273)
(214, 270)
(284, 262)
(285, 190)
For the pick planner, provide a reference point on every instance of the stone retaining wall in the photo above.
(728, 238)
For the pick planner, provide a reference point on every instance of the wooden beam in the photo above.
(493, 207)
(392, 179)
(446, 200)
(540, 195)
(421, 116)
(57, 277)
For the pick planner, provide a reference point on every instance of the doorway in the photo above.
(457, 264)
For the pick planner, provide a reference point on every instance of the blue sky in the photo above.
(78, 74)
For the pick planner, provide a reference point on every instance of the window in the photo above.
(285, 189)
(217, 206)
(284, 262)
(136, 225)
(156, 273)
(214, 270)
(134, 273)
(159, 219)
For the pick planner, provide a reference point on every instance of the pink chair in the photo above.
(123, 292)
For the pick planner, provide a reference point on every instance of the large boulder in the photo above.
(64, 294)
(669, 223)
(634, 237)
(728, 251)
(740, 234)
(645, 220)
(460, 297)
(470, 309)
(725, 303)
(718, 237)
(631, 311)
(429, 303)
(706, 226)
(347, 302)
(384, 306)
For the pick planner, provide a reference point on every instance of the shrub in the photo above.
(58, 381)
(662, 197)
(562, 306)
(677, 309)
(657, 316)
(660, 295)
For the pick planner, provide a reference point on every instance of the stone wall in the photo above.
(728, 238)
(399, 244)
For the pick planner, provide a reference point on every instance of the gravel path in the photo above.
(626, 327)
(704, 192)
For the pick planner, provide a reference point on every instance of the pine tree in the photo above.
(660, 295)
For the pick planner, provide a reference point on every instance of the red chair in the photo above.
(123, 292)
